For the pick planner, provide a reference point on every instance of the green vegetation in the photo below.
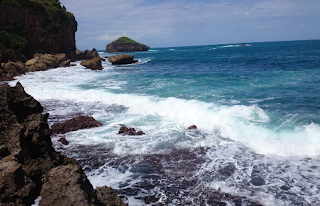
(55, 11)
(11, 41)
(125, 40)
(12, 3)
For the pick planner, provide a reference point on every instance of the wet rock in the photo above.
(129, 131)
(193, 127)
(87, 54)
(72, 65)
(257, 180)
(63, 140)
(11, 69)
(93, 64)
(65, 63)
(106, 196)
(77, 123)
(121, 59)
(226, 171)
(285, 187)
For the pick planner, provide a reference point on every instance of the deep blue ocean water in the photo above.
(256, 105)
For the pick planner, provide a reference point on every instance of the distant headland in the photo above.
(125, 44)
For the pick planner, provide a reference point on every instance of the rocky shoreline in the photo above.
(30, 166)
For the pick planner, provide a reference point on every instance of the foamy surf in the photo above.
(255, 109)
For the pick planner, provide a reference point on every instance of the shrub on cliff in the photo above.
(11, 41)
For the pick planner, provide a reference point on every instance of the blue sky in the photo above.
(162, 23)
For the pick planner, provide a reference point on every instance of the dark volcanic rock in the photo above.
(81, 122)
(93, 64)
(63, 140)
(121, 59)
(124, 44)
(87, 54)
(129, 131)
(193, 127)
(29, 163)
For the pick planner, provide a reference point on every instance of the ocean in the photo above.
(256, 107)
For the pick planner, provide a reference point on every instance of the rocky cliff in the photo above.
(125, 44)
(35, 26)
(29, 165)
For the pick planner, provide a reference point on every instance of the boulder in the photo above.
(65, 63)
(87, 54)
(10, 70)
(129, 131)
(125, 44)
(81, 122)
(121, 59)
(42, 62)
(63, 140)
(93, 64)
(193, 127)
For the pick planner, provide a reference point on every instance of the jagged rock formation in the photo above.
(125, 44)
(122, 59)
(124, 130)
(93, 64)
(87, 54)
(30, 165)
(34, 26)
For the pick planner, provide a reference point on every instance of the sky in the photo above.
(164, 23)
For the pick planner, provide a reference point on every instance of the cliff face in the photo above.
(34, 26)
(124, 44)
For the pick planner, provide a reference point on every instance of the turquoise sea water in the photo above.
(256, 105)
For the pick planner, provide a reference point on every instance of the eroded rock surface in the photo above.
(29, 163)
(81, 122)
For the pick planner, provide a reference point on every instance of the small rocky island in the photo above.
(125, 44)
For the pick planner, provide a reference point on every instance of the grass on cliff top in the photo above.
(125, 40)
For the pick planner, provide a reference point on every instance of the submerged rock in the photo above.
(122, 59)
(81, 122)
(129, 131)
(93, 64)
(125, 44)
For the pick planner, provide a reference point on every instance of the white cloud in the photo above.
(190, 22)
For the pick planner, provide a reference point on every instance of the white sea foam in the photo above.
(160, 118)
